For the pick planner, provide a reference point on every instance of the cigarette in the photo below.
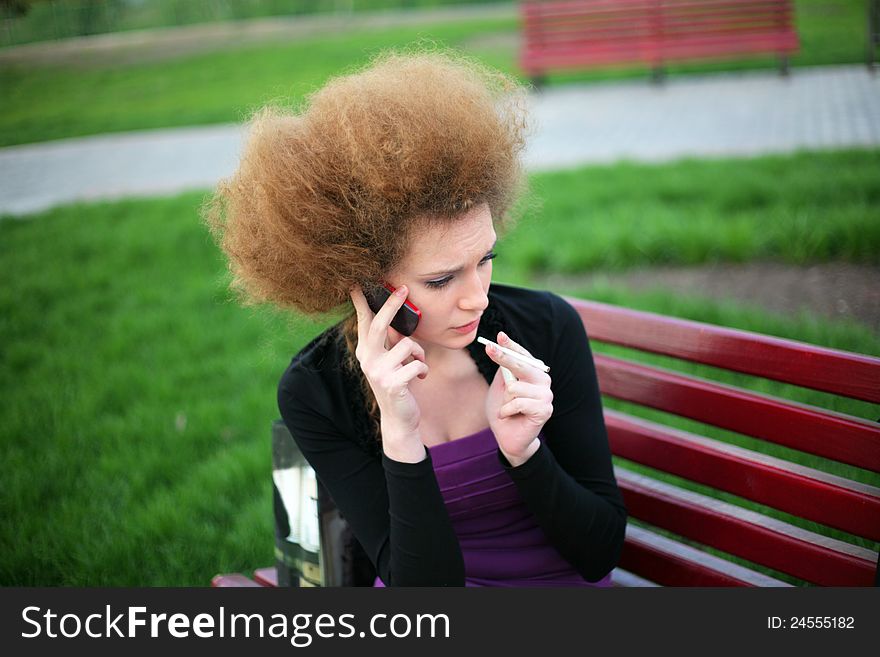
(534, 362)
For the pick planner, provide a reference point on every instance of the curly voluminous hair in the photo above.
(328, 197)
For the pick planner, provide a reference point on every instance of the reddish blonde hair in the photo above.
(328, 197)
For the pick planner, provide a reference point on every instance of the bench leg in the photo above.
(784, 66)
(873, 33)
(658, 75)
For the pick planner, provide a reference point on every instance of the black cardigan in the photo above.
(396, 510)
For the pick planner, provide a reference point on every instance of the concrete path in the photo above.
(148, 163)
(736, 114)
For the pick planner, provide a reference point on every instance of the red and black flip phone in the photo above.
(406, 319)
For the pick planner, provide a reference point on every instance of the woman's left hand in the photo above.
(518, 410)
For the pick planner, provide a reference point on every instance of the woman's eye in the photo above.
(443, 281)
(437, 284)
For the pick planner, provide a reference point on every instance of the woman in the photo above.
(405, 173)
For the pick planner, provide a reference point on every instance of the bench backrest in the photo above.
(809, 516)
(567, 33)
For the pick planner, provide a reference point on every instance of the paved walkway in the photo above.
(737, 114)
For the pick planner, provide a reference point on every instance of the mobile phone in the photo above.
(406, 319)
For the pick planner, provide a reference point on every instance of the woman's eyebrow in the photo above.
(459, 268)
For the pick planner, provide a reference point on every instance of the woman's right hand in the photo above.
(389, 362)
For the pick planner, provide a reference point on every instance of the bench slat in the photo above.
(707, 46)
(779, 10)
(670, 563)
(747, 534)
(598, 26)
(834, 501)
(573, 54)
(788, 361)
(627, 35)
(831, 435)
(625, 579)
(536, 10)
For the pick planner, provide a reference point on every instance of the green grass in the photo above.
(137, 400)
(86, 97)
(51, 102)
(807, 207)
(58, 19)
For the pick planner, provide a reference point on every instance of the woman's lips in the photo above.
(467, 328)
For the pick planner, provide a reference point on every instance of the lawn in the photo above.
(50, 102)
(801, 208)
(58, 19)
(117, 92)
(137, 398)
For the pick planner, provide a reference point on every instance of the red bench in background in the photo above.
(675, 531)
(574, 34)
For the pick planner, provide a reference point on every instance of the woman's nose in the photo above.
(475, 293)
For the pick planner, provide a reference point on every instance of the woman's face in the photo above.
(448, 270)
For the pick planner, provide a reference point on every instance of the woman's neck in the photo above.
(449, 364)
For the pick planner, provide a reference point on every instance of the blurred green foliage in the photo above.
(26, 21)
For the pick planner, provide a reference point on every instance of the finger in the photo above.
(408, 372)
(533, 408)
(405, 348)
(519, 369)
(362, 308)
(382, 320)
(505, 341)
(498, 384)
(394, 337)
(528, 390)
(364, 313)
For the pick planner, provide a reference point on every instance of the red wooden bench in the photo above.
(698, 529)
(575, 34)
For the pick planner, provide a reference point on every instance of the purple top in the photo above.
(500, 539)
